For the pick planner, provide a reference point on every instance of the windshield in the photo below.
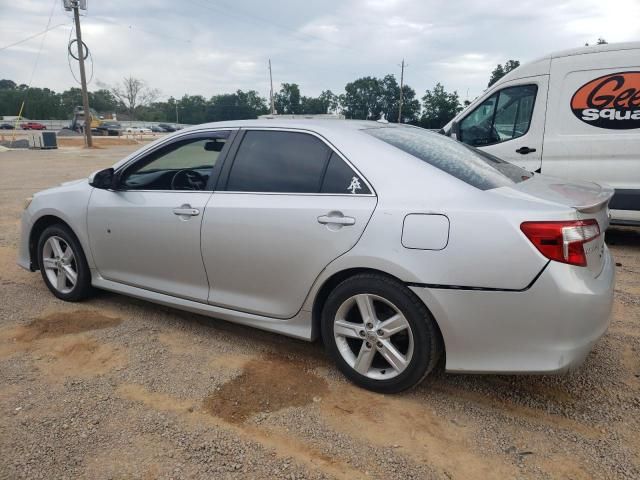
(475, 167)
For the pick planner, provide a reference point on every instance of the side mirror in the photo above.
(103, 179)
(455, 130)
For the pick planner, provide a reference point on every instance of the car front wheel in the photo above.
(379, 333)
(63, 265)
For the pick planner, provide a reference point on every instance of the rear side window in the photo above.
(340, 178)
(477, 168)
(287, 162)
(291, 162)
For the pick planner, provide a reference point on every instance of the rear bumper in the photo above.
(548, 328)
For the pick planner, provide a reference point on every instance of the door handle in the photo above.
(336, 220)
(186, 210)
(525, 150)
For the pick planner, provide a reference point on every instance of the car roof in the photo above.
(297, 123)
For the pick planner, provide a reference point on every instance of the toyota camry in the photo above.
(398, 247)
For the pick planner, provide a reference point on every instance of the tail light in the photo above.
(562, 241)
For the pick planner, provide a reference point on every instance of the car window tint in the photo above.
(340, 178)
(473, 166)
(503, 116)
(285, 162)
(183, 165)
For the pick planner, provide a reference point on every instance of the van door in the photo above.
(593, 130)
(509, 122)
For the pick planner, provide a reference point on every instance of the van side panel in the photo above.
(577, 149)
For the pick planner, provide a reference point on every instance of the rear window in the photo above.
(466, 163)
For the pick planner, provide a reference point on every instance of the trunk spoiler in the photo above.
(595, 205)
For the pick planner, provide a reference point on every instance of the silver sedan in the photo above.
(399, 247)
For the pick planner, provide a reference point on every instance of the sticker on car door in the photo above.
(611, 101)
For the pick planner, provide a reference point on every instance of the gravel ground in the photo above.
(118, 388)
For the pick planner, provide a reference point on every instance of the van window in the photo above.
(472, 166)
(503, 116)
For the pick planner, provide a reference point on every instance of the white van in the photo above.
(573, 114)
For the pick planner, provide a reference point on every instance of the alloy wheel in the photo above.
(59, 263)
(373, 336)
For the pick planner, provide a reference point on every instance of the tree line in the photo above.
(366, 98)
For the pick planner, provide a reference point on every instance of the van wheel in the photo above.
(63, 265)
(380, 335)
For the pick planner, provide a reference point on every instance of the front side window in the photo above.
(290, 162)
(185, 164)
(472, 166)
(503, 116)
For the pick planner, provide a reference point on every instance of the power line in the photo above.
(132, 27)
(33, 36)
(255, 19)
(33, 71)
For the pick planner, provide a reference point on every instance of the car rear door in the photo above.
(510, 122)
(147, 232)
(287, 205)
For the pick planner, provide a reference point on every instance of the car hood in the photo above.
(63, 186)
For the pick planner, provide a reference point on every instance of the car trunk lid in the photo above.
(589, 201)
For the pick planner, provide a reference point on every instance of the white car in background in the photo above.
(137, 130)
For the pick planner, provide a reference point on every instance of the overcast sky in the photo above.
(210, 47)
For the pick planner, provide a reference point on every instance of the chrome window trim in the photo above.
(208, 192)
(303, 194)
(328, 144)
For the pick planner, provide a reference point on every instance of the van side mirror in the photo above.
(104, 179)
(455, 130)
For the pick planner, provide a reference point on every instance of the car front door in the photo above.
(509, 123)
(286, 206)
(146, 232)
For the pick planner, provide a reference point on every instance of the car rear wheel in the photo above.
(63, 265)
(379, 333)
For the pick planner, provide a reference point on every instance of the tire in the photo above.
(361, 351)
(57, 269)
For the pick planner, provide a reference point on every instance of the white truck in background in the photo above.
(573, 114)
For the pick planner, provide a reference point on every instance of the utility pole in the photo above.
(401, 85)
(176, 114)
(75, 5)
(273, 108)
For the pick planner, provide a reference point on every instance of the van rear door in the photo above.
(509, 121)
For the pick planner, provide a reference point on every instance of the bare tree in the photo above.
(134, 93)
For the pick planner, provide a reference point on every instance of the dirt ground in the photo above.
(116, 388)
